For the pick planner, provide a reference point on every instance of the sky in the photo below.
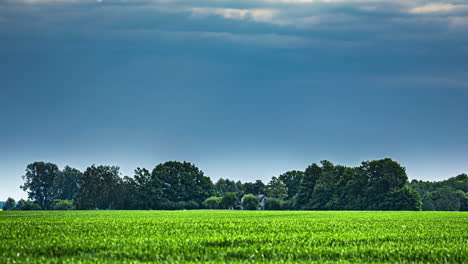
(244, 89)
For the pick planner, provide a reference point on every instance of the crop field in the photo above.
(233, 236)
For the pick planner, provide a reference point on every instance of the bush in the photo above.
(9, 204)
(62, 205)
(170, 205)
(272, 204)
(167, 205)
(27, 206)
(287, 205)
(250, 202)
(180, 205)
(191, 205)
(212, 202)
(228, 201)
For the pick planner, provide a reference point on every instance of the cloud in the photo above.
(437, 8)
(291, 23)
(257, 15)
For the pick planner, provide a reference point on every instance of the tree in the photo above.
(443, 199)
(23, 205)
(191, 205)
(350, 192)
(326, 186)
(66, 183)
(240, 187)
(292, 180)
(9, 204)
(272, 204)
(223, 186)
(183, 182)
(62, 205)
(304, 194)
(438, 195)
(229, 200)
(250, 202)
(257, 187)
(276, 189)
(39, 182)
(212, 202)
(100, 188)
(146, 189)
(403, 199)
(383, 176)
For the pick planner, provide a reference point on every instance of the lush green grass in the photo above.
(234, 236)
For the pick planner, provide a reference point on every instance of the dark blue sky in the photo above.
(243, 89)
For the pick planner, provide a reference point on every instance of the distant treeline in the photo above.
(374, 185)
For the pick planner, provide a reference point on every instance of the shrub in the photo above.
(27, 206)
(167, 205)
(250, 202)
(62, 205)
(287, 205)
(272, 204)
(229, 200)
(191, 205)
(212, 202)
(9, 204)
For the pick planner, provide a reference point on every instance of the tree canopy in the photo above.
(183, 181)
(374, 185)
(39, 182)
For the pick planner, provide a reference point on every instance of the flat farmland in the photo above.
(233, 236)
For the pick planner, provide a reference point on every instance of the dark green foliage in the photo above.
(183, 182)
(257, 187)
(144, 189)
(272, 204)
(169, 205)
(383, 176)
(223, 186)
(403, 199)
(66, 183)
(463, 200)
(325, 187)
(228, 201)
(250, 202)
(350, 191)
(292, 180)
(444, 199)
(191, 205)
(447, 195)
(100, 188)
(212, 202)
(287, 205)
(304, 194)
(39, 182)
(9, 204)
(62, 205)
(375, 185)
(23, 205)
(276, 189)
(240, 187)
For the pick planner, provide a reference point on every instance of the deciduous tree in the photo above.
(39, 182)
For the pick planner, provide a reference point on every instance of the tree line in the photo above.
(374, 185)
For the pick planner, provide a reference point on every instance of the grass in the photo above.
(234, 236)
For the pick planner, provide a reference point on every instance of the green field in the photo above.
(233, 236)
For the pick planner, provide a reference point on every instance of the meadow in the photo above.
(233, 236)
